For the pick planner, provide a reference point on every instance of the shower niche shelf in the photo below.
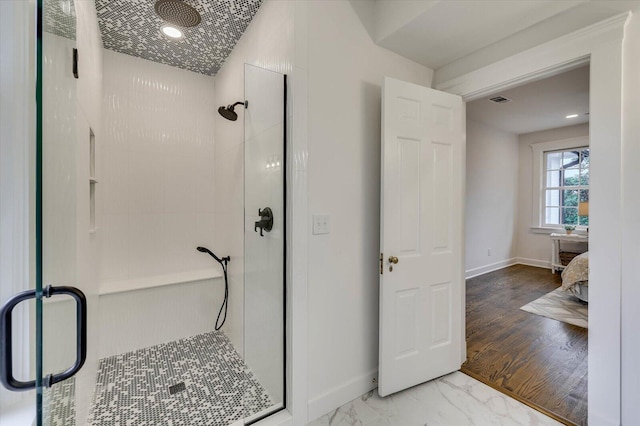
(92, 183)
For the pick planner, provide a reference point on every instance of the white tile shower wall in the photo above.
(267, 43)
(158, 169)
(143, 318)
(89, 115)
(346, 70)
(59, 150)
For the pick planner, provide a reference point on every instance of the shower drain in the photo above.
(173, 389)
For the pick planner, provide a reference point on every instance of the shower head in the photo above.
(177, 12)
(228, 111)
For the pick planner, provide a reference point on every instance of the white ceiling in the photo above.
(449, 30)
(541, 105)
(456, 36)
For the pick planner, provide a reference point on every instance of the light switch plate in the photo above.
(321, 224)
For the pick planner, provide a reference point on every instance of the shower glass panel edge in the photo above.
(264, 250)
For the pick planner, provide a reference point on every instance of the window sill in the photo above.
(549, 231)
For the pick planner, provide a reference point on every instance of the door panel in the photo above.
(421, 292)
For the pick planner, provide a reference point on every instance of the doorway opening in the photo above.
(527, 198)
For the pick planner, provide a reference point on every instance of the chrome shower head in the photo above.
(228, 111)
(177, 12)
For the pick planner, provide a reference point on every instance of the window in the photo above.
(560, 183)
(566, 183)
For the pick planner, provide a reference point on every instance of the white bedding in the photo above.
(575, 277)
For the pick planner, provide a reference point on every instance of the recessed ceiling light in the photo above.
(171, 31)
(572, 116)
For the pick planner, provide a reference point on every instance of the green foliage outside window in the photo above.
(571, 199)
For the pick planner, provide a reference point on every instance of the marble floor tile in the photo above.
(452, 400)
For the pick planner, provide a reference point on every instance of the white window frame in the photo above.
(539, 149)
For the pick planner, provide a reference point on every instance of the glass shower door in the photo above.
(265, 235)
(61, 246)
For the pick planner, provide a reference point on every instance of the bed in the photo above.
(575, 277)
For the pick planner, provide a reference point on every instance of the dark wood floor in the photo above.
(538, 360)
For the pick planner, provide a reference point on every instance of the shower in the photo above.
(167, 295)
(228, 111)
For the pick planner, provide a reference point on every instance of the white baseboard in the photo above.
(602, 421)
(534, 262)
(340, 395)
(471, 273)
(489, 268)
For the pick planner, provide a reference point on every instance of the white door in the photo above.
(422, 297)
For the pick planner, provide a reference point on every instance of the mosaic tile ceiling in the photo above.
(60, 18)
(132, 27)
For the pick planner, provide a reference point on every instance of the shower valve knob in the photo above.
(266, 221)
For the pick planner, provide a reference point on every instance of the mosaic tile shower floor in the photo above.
(59, 408)
(134, 388)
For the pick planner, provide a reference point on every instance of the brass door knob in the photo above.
(393, 259)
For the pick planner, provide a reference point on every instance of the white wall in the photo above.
(491, 198)
(89, 115)
(630, 220)
(268, 43)
(157, 171)
(17, 187)
(533, 248)
(346, 70)
(139, 319)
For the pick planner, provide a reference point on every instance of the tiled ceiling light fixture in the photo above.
(171, 31)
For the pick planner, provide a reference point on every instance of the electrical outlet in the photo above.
(488, 252)
(321, 224)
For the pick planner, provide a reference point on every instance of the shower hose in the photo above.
(224, 262)
(225, 302)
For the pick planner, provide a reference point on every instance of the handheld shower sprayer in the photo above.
(225, 303)
(210, 253)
